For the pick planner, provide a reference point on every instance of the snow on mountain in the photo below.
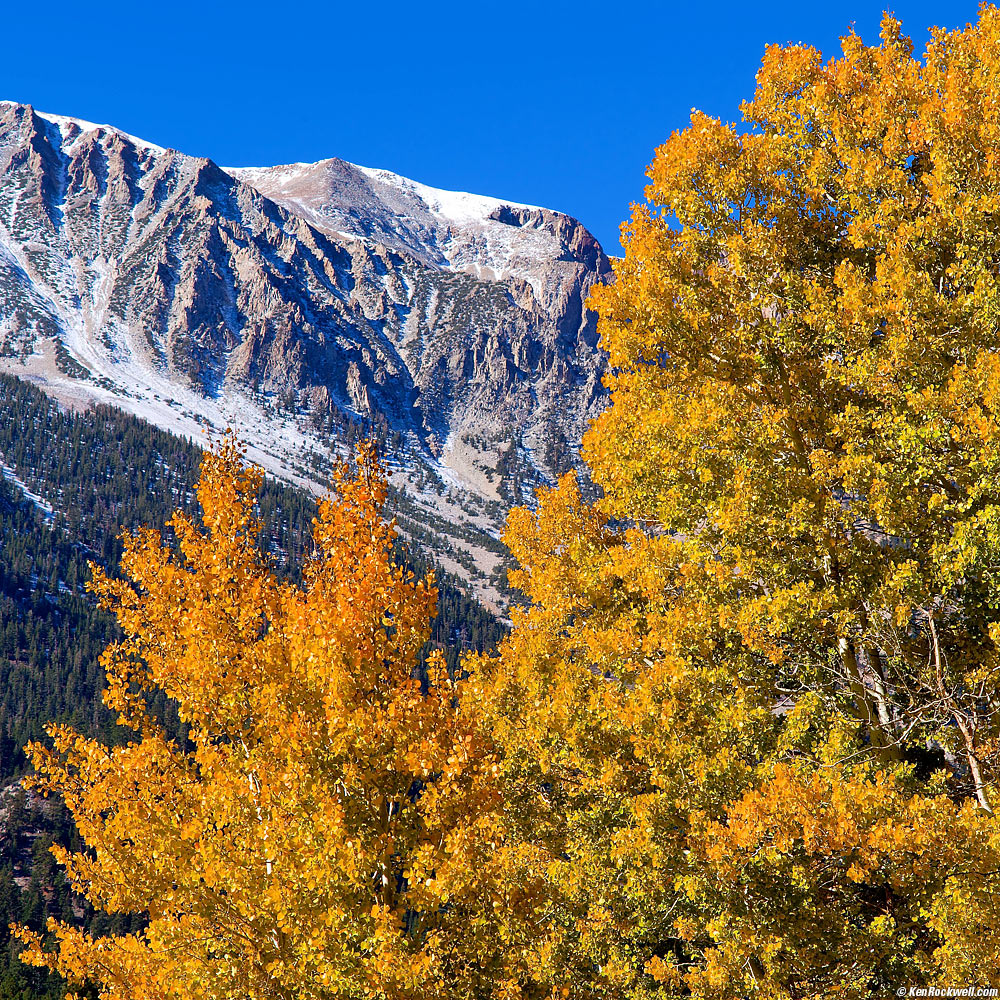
(76, 126)
(304, 304)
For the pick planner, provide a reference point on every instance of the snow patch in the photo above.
(456, 206)
(64, 122)
(39, 501)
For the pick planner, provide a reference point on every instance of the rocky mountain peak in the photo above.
(301, 304)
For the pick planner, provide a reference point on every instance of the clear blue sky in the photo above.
(546, 102)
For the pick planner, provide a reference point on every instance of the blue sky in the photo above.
(550, 103)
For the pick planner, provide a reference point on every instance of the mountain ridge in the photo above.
(294, 301)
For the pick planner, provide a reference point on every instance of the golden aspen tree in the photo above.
(807, 372)
(619, 709)
(326, 828)
(754, 700)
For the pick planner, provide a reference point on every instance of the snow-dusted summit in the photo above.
(300, 304)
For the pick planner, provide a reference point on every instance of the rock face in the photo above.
(294, 301)
(482, 301)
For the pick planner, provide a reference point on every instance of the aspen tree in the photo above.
(753, 703)
(326, 827)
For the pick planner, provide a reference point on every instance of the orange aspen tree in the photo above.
(754, 700)
(326, 829)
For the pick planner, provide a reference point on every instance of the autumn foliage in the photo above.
(743, 738)
(761, 673)
(320, 831)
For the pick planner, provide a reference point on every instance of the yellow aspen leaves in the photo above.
(324, 829)
(751, 711)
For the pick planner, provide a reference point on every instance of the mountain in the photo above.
(304, 305)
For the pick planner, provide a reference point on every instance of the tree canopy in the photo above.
(321, 830)
(761, 672)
